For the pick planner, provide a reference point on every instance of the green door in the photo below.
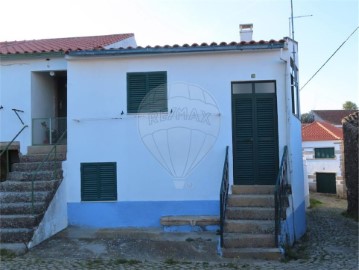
(326, 183)
(254, 133)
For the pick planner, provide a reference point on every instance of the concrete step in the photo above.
(15, 235)
(253, 189)
(45, 149)
(252, 253)
(22, 208)
(189, 220)
(241, 240)
(41, 157)
(41, 175)
(253, 213)
(189, 223)
(17, 197)
(256, 200)
(249, 226)
(19, 221)
(33, 166)
(17, 186)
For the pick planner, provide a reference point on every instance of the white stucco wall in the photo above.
(94, 136)
(16, 92)
(42, 95)
(99, 132)
(330, 165)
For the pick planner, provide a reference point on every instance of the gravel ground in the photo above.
(331, 242)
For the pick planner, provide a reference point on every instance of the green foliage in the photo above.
(171, 261)
(349, 105)
(6, 254)
(314, 203)
(307, 118)
(125, 261)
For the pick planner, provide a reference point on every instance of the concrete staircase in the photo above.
(18, 219)
(249, 224)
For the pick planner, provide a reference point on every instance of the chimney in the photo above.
(246, 32)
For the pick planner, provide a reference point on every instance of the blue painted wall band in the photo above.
(134, 214)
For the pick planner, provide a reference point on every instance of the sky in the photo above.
(321, 27)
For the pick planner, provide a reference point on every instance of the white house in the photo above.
(148, 127)
(324, 157)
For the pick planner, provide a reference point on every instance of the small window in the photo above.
(242, 88)
(98, 181)
(147, 92)
(324, 152)
(259, 88)
(265, 87)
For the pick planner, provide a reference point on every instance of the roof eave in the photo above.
(171, 50)
(31, 55)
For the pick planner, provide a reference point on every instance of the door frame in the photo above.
(275, 121)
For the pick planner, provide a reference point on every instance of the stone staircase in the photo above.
(249, 224)
(18, 218)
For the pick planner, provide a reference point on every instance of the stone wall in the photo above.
(350, 132)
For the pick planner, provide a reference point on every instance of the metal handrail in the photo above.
(8, 146)
(39, 167)
(223, 196)
(281, 194)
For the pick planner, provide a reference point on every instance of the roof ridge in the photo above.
(329, 131)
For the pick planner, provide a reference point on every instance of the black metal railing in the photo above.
(54, 160)
(223, 196)
(282, 189)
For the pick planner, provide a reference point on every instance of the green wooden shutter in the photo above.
(157, 84)
(243, 139)
(98, 181)
(267, 148)
(136, 91)
(147, 92)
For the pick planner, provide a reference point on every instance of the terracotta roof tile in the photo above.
(60, 44)
(332, 116)
(321, 131)
(212, 44)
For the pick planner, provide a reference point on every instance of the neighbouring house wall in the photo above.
(306, 184)
(128, 42)
(350, 129)
(16, 92)
(328, 165)
(100, 133)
